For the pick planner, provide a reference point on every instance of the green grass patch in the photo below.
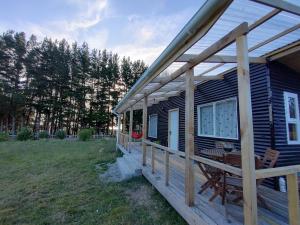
(56, 182)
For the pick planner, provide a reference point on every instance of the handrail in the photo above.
(172, 151)
(276, 172)
(219, 165)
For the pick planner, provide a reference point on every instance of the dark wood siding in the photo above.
(216, 90)
(283, 79)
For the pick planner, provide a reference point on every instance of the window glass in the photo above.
(152, 130)
(292, 117)
(226, 119)
(293, 132)
(292, 107)
(206, 120)
(219, 119)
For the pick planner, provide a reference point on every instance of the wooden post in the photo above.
(167, 156)
(246, 132)
(130, 127)
(118, 130)
(153, 159)
(189, 138)
(124, 123)
(293, 197)
(145, 108)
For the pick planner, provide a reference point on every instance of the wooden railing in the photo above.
(291, 172)
(124, 141)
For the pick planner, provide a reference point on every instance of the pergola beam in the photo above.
(166, 79)
(282, 5)
(197, 78)
(273, 38)
(219, 59)
(195, 29)
(213, 49)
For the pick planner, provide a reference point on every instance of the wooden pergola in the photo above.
(180, 69)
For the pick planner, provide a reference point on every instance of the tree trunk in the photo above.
(1, 125)
(6, 125)
(13, 125)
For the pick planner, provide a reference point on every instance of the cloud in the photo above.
(90, 14)
(150, 35)
(135, 52)
(77, 28)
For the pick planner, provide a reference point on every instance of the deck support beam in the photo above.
(119, 129)
(246, 132)
(124, 123)
(145, 109)
(130, 125)
(293, 197)
(189, 138)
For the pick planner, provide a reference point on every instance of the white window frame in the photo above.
(288, 120)
(155, 125)
(214, 119)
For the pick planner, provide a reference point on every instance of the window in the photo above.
(218, 119)
(152, 130)
(292, 117)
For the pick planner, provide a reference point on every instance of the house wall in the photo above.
(283, 79)
(216, 90)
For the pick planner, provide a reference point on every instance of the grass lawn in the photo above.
(56, 182)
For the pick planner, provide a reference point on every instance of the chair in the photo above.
(235, 184)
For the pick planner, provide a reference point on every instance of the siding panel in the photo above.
(283, 79)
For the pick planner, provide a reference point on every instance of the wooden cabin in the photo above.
(230, 76)
(216, 115)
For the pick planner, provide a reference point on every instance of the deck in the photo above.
(204, 212)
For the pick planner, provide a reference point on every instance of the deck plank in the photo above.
(205, 212)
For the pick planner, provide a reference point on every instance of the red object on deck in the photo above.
(136, 135)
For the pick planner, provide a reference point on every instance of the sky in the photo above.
(140, 29)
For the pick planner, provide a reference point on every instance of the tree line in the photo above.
(51, 85)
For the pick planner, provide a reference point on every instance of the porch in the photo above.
(272, 30)
(164, 169)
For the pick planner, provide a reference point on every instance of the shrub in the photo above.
(43, 134)
(85, 134)
(61, 134)
(24, 134)
(3, 136)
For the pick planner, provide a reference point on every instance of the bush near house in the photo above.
(43, 134)
(60, 134)
(85, 134)
(24, 134)
(3, 136)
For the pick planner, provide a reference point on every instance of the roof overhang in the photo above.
(272, 28)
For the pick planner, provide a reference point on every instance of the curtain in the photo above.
(226, 119)
(152, 130)
(206, 120)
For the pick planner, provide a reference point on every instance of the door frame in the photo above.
(169, 112)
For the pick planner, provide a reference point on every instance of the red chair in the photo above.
(136, 135)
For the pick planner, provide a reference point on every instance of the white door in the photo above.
(173, 129)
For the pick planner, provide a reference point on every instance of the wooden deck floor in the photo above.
(205, 212)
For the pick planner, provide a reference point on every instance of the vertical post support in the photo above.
(124, 123)
(118, 130)
(189, 138)
(130, 127)
(145, 113)
(153, 159)
(293, 199)
(246, 132)
(167, 162)
(124, 130)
